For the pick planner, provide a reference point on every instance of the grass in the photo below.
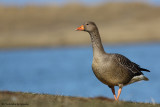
(44, 100)
(39, 26)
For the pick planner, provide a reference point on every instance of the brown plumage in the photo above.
(111, 69)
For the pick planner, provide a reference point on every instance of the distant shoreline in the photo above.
(69, 45)
(47, 26)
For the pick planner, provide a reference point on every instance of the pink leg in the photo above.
(119, 92)
(113, 91)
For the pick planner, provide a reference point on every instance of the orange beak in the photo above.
(81, 28)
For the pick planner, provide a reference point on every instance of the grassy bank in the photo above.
(44, 100)
(32, 26)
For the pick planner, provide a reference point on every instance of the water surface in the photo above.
(67, 71)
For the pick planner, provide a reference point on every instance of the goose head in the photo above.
(88, 26)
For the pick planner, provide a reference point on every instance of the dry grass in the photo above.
(54, 25)
(20, 99)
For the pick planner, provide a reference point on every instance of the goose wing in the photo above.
(127, 64)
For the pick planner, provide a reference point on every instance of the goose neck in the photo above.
(96, 43)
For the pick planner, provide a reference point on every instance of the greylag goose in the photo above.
(111, 69)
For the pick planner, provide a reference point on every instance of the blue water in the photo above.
(67, 71)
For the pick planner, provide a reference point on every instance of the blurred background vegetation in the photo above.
(54, 25)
